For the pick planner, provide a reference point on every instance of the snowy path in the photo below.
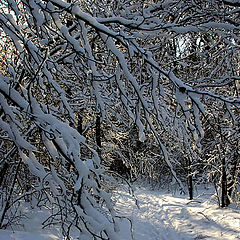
(161, 216)
(164, 217)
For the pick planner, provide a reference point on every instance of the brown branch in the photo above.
(233, 3)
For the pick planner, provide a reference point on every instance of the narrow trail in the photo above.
(166, 217)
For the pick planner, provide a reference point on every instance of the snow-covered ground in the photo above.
(160, 216)
(167, 217)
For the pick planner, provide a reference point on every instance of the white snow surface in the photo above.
(160, 216)
(163, 216)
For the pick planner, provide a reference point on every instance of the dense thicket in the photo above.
(145, 88)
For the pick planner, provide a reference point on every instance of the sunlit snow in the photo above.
(160, 215)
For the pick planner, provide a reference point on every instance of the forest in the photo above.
(100, 94)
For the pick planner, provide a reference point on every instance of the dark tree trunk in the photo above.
(3, 172)
(79, 126)
(224, 183)
(190, 180)
(98, 133)
(233, 171)
(224, 197)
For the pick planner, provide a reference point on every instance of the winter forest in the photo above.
(101, 98)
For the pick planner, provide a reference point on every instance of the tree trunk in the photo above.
(79, 126)
(224, 197)
(190, 180)
(7, 204)
(98, 133)
(233, 173)
(3, 172)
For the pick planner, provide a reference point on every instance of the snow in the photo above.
(17, 235)
(76, 11)
(164, 216)
(214, 25)
(37, 13)
(160, 216)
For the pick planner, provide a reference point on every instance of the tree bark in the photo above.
(190, 180)
(79, 126)
(98, 133)
(233, 173)
(233, 3)
(224, 197)
(3, 172)
(7, 205)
